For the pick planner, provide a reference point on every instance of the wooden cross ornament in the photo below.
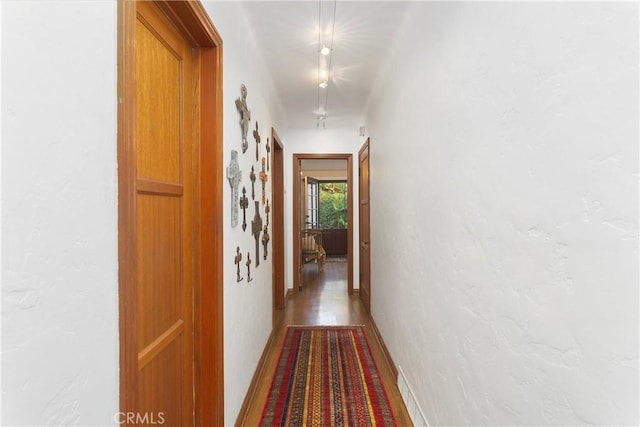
(263, 178)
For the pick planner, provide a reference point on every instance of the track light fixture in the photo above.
(324, 74)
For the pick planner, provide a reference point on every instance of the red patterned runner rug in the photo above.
(326, 376)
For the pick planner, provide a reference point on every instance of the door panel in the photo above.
(159, 261)
(155, 394)
(164, 213)
(365, 231)
(159, 102)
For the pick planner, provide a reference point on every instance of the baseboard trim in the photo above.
(253, 387)
(290, 293)
(387, 356)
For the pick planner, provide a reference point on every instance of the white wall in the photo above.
(342, 139)
(326, 174)
(247, 306)
(504, 182)
(59, 213)
(1, 215)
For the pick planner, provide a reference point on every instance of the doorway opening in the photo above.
(322, 213)
(326, 210)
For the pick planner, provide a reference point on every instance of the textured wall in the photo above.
(504, 216)
(247, 306)
(59, 213)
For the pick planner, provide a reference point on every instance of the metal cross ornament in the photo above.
(245, 116)
(244, 204)
(263, 178)
(248, 264)
(237, 260)
(267, 210)
(256, 136)
(256, 229)
(252, 177)
(268, 147)
(265, 240)
(234, 175)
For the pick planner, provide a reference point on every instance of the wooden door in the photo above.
(170, 214)
(365, 254)
(164, 147)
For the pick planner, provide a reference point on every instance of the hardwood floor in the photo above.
(323, 301)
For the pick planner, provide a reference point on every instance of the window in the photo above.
(332, 205)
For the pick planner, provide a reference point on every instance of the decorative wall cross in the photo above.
(252, 177)
(256, 135)
(237, 260)
(245, 116)
(268, 147)
(267, 210)
(234, 175)
(248, 264)
(265, 240)
(244, 204)
(256, 229)
(263, 178)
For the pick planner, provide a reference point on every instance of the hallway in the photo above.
(323, 301)
(504, 203)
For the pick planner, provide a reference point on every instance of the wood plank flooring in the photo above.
(322, 301)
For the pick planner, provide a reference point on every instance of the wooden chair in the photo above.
(312, 247)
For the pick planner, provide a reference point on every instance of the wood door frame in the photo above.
(277, 221)
(192, 21)
(297, 193)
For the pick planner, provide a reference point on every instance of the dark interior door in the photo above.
(365, 254)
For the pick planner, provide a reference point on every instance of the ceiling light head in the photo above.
(325, 51)
(324, 84)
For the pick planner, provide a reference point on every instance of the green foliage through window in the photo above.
(332, 212)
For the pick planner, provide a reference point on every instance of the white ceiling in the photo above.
(287, 33)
